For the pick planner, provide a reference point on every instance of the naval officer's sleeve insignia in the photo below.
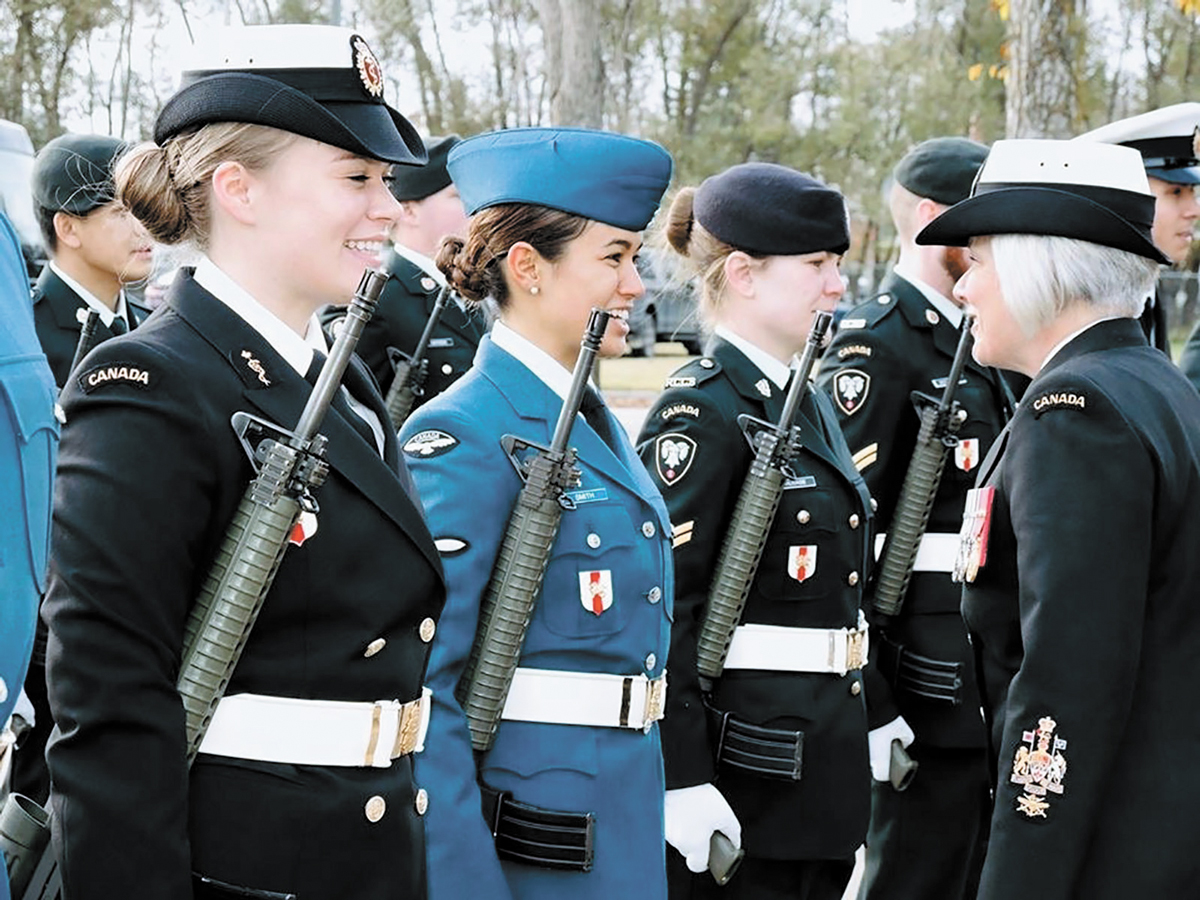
(673, 455)
(850, 389)
(430, 443)
(1039, 767)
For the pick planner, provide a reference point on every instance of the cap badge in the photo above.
(368, 67)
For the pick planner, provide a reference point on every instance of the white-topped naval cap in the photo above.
(250, 47)
(1177, 120)
(1031, 161)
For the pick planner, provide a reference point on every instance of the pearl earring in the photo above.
(535, 290)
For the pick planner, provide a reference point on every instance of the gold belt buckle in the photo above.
(410, 728)
(855, 646)
(656, 695)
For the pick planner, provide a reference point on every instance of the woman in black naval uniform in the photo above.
(1079, 541)
(303, 786)
(766, 242)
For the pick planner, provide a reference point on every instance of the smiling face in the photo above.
(999, 339)
(596, 269)
(1175, 213)
(320, 216)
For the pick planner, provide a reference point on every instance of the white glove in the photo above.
(879, 743)
(692, 815)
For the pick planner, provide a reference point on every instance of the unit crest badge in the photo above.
(850, 389)
(1039, 767)
(673, 455)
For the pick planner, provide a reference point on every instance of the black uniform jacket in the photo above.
(698, 457)
(1155, 323)
(1085, 621)
(405, 306)
(55, 306)
(885, 350)
(150, 474)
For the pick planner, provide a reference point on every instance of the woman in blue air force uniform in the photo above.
(555, 231)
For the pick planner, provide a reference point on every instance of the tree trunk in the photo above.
(574, 68)
(1043, 96)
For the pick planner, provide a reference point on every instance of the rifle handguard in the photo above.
(516, 581)
(753, 516)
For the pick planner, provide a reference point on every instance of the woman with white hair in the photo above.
(1079, 542)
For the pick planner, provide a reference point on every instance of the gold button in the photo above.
(375, 808)
(648, 529)
(428, 628)
(706, 363)
(428, 283)
(855, 688)
(931, 317)
(593, 540)
(447, 368)
(852, 579)
(853, 520)
(374, 647)
(803, 516)
(422, 801)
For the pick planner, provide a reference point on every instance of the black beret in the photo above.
(74, 173)
(771, 210)
(317, 81)
(941, 169)
(419, 182)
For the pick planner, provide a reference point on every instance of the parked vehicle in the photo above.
(16, 192)
(665, 312)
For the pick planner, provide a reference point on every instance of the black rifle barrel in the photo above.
(410, 374)
(516, 580)
(87, 339)
(742, 548)
(939, 424)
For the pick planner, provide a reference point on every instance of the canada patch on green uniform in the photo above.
(114, 373)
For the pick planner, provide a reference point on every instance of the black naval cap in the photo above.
(74, 173)
(1168, 139)
(941, 169)
(419, 182)
(772, 210)
(317, 81)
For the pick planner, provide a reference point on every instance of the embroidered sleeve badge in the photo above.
(1039, 767)
(1059, 400)
(673, 455)
(850, 389)
(431, 443)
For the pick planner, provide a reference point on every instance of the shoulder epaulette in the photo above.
(692, 373)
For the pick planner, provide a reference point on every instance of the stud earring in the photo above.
(535, 290)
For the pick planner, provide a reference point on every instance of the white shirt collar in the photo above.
(422, 262)
(1070, 337)
(766, 363)
(298, 351)
(106, 315)
(939, 301)
(549, 370)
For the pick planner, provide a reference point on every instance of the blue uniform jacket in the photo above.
(28, 439)
(620, 524)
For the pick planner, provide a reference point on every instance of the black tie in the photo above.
(595, 414)
(339, 401)
(118, 326)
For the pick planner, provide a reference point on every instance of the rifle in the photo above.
(742, 549)
(940, 422)
(290, 465)
(87, 337)
(517, 577)
(409, 382)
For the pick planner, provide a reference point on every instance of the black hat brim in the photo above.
(1177, 175)
(370, 129)
(1038, 211)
